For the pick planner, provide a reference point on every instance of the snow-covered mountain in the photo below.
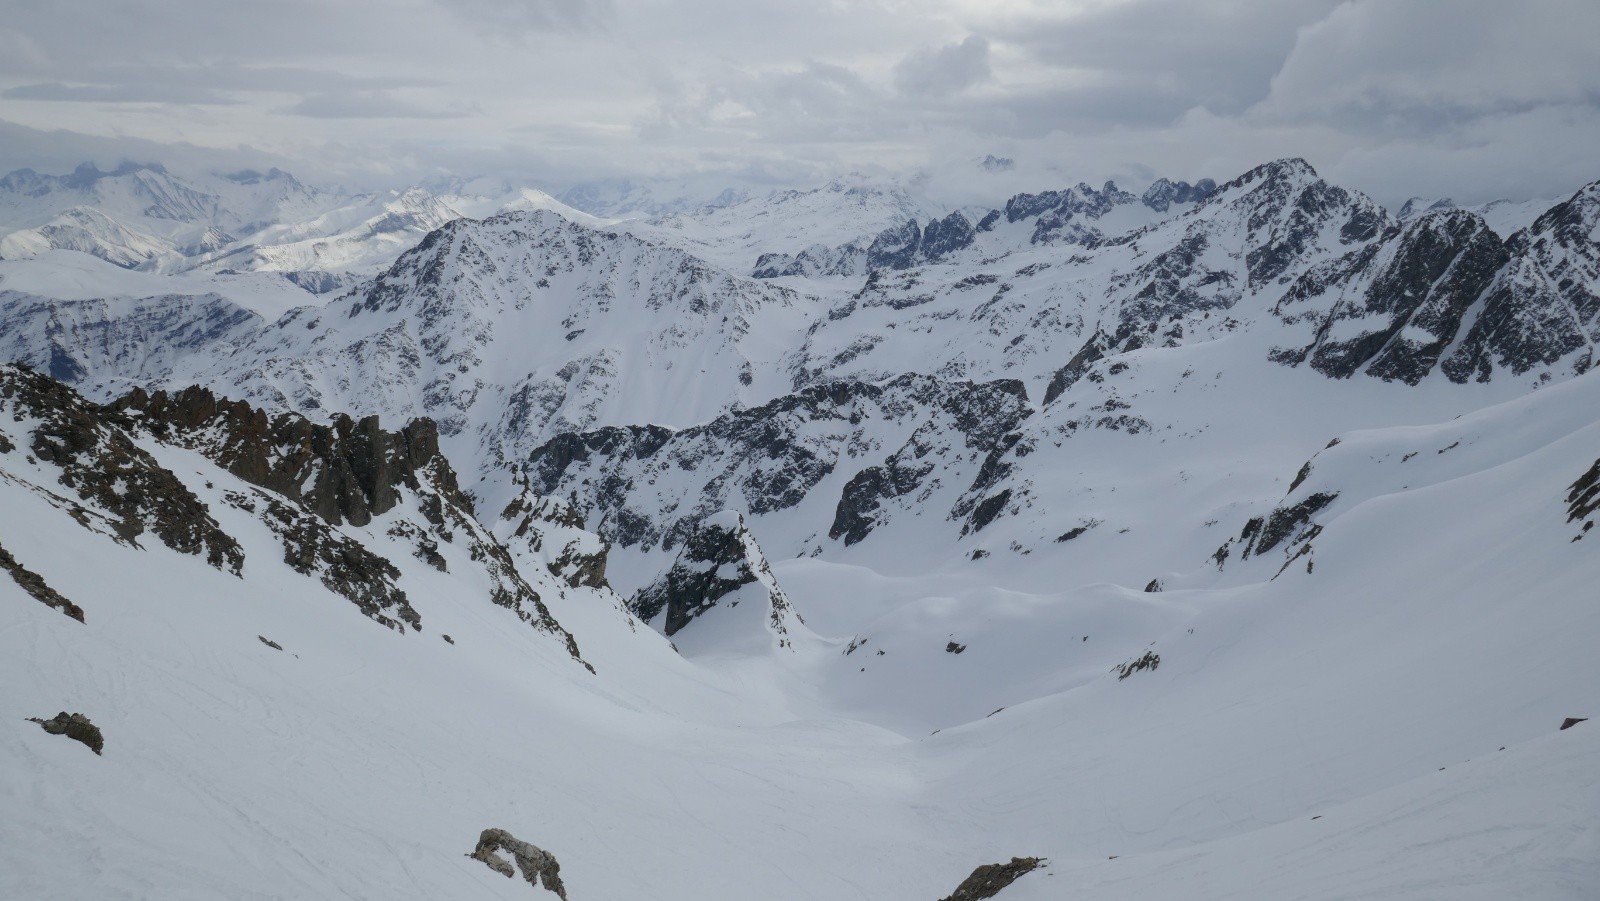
(144, 217)
(1216, 541)
(739, 235)
(136, 213)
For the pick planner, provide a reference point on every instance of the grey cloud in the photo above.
(232, 76)
(818, 102)
(1468, 98)
(371, 105)
(1405, 67)
(1170, 55)
(522, 16)
(116, 93)
(942, 71)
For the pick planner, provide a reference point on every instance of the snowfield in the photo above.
(1114, 538)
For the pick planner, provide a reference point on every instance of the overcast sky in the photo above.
(1474, 99)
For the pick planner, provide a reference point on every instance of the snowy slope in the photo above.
(735, 235)
(358, 760)
(1240, 549)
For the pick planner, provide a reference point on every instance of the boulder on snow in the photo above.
(535, 863)
(75, 726)
(987, 881)
(34, 584)
(1571, 721)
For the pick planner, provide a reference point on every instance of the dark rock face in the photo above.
(1444, 282)
(895, 248)
(1067, 216)
(1571, 721)
(34, 584)
(537, 518)
(904, 246)
(1408, 295)
(1545, 305)
(817, 260)
(855, 517)
(74, 340)
(358, 468)
(1261, 535)
(75, 726)
(1174, 284)
(719, 558)
(537, 865)
(944, 237)
(1150, 661)
(771, 457)
(987, 881)
(101, 463)
(1290, 207)
(1093, 349)
(1584, 496)
(1163, 195)
(344, 566)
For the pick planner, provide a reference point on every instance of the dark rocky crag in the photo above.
(542, 522)
(771, 457)
(719, 558)
(345, 471)
(99, 461)
(34, 584)
(987, 881)
(1443, 293)
(75, 726)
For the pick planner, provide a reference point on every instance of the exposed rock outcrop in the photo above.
(34, 584)
(719, 559)
(554, 529)
(98, 459)
(1150, 661)
(537, 864)
(771, 457)
(343, 565)
(345, 471)
(75, 726)
(1443, 292)
(1583, 498)
(1401, 301)
(987, 881)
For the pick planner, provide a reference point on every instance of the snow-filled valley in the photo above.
(1220, 541)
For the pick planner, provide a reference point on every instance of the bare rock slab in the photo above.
(75, 726)
(535, 863)
(987, 881)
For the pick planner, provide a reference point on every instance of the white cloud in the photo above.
(1454, 97)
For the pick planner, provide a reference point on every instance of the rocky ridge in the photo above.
(720, 564)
